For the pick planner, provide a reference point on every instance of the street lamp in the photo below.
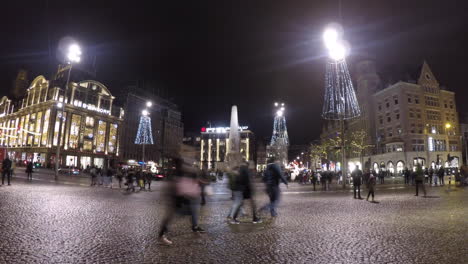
(149, 104)
(338, 83)
(447, 127)
(73, 56)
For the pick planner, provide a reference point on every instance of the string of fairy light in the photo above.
(144, 134)
(340, 98)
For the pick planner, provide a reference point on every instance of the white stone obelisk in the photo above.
(233, 155)
(234, 137)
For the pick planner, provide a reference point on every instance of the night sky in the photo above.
(209, 55)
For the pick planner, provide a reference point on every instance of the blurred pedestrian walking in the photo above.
(29, 170)
(371, 186)
(272, 177)
(243, 190)
(419, 178)
(183, 193)
(357, 180)
(6, 170)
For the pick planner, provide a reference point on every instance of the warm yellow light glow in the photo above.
(448, 125)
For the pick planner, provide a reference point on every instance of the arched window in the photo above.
(400, 166)
(376, 167)
(390, 167)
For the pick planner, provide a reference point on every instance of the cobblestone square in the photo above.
(42, 222)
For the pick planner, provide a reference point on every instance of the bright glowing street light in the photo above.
(279, 113)
(74, 53)
(330, 37)
(276, 104)
(145, 112)
(336, 46)
(448, 125)
(338, 51)
(149, 104)
(73, 56)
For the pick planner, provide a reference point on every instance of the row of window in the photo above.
(33, 130)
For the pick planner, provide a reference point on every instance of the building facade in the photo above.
(90, 124)
(214, 146)
(407, 123)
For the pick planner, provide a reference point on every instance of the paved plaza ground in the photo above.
(44, 222)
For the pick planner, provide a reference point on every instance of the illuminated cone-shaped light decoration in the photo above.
(340, 101)
(144, 133)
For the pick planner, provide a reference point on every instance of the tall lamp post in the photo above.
(447, 127)
(73, 56)
(144, 134)
(340, 101)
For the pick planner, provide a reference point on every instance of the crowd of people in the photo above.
(131, 178)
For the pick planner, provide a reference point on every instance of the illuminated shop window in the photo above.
(112, 138)
(14, 132)
(29, 135)
(88, 133)
(25, 128)
(74, 131)
(88, 145)
(37, 136)
(19, 134)
(56, 128)
(101, 136)
(89, 121)
(45, 128)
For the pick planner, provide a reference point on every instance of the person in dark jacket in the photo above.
(419, 178)
(148, 179)
(243, 190)
(407, 175)
(371, 186)
(6, 170)
(29, 170)
(441, 173)
(130, 177)
(357, 180)
(313, 178)
(272, 177)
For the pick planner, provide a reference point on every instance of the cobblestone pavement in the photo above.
(41, 222)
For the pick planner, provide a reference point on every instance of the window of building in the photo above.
(416, 99)
(380, 120)
(56, 129)
(112, 145)
(389, 119)
(397, 116)
(409, 99)
(101, 136)
(418, 144)
(380, 107)
(387, 104)
(87, 145)
(74, 131)
(89, 121)
(37, 135)
(45, 128)
(395, 100)
(390, 132)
